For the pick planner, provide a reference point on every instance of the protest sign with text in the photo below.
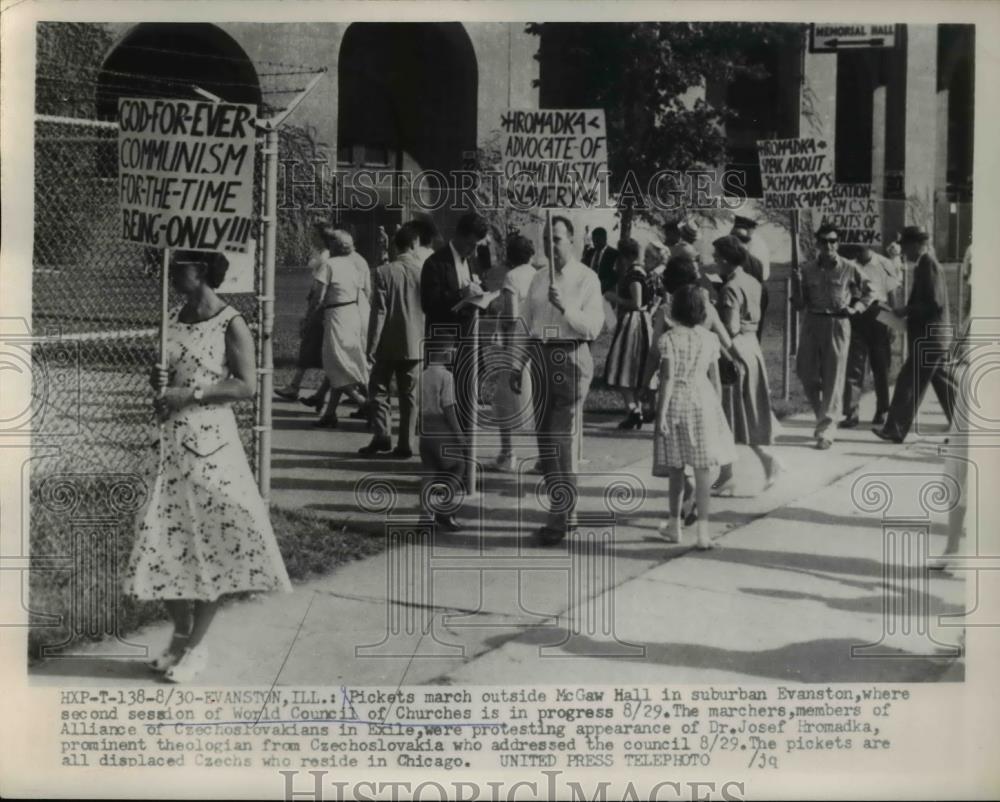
(185, 173)
(854, 210)
(796, 173)
(553, 158)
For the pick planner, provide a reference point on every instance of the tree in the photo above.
(639, 74)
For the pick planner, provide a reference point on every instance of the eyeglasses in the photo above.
(828, 240)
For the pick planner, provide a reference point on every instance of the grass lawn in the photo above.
(310, 545)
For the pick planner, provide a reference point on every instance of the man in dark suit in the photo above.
(928, 341)
(448, 277)
(603, 260)
(395, 344)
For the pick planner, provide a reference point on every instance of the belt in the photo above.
(563, 343)
(342, 303)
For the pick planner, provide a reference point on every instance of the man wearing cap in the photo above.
(830, 290)
(758, 263)
(603, 260)
(563, 314)
(871, 340)
(928, 335)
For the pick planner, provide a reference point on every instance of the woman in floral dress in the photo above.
(205, 530)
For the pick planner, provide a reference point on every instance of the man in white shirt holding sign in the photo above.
(563, 314)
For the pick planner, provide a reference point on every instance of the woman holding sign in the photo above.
(205, 530)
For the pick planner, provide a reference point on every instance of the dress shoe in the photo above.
(447, 522)
(313, 401)
(326, 422)
(375, 447)
(879, 419)
(882, 434)
(549, 535)
(287, 393)
(359, 414)
(850, 422)
(402, 453)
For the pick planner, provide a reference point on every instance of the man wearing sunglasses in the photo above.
(830, 290)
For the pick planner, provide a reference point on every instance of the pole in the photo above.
(791, 318)
(471, 466)
(266, 369)
(164, 302)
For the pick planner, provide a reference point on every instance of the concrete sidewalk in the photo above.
(803, 576)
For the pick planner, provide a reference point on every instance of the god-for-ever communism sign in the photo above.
(185, 173)
(795, 173)
(553, 158)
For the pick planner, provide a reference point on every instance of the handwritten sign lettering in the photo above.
(854, 210)
(185, 173)
(553, 158)
(796, 173)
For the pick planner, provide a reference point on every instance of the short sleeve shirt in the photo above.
(437, 390)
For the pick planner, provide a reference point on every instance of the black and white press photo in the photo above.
(488, 391)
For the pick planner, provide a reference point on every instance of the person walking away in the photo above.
(749, 408)
(395, 346)
(340, 287)
(513, 410)
(871, 340)
(626, 360)
(443, 442)
(830, 289)
(928, 341)
(563, 314)
(310, 330)
(204, 531)
(681, 271)
(754, 266)
(691, 428)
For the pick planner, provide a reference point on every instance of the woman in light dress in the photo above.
(340, 290)
(204, 531)
(748, 401)
(691, 428)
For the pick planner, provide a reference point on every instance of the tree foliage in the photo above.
(641, 73)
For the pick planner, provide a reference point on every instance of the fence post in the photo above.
(266, 384)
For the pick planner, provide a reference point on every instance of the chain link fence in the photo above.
(96, 308)
(95, 337)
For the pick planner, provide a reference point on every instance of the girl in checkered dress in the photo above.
(691, 427)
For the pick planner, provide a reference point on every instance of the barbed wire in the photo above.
(238, 59)
(173, 80)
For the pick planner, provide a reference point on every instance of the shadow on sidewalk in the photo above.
(823, 660)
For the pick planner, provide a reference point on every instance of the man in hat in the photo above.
(928, 333)
(755, 266)
(871, 340)
(830, 290)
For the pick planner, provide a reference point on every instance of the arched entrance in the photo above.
(169, 59)
(407, 101)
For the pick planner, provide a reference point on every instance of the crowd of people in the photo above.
(685, 355)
